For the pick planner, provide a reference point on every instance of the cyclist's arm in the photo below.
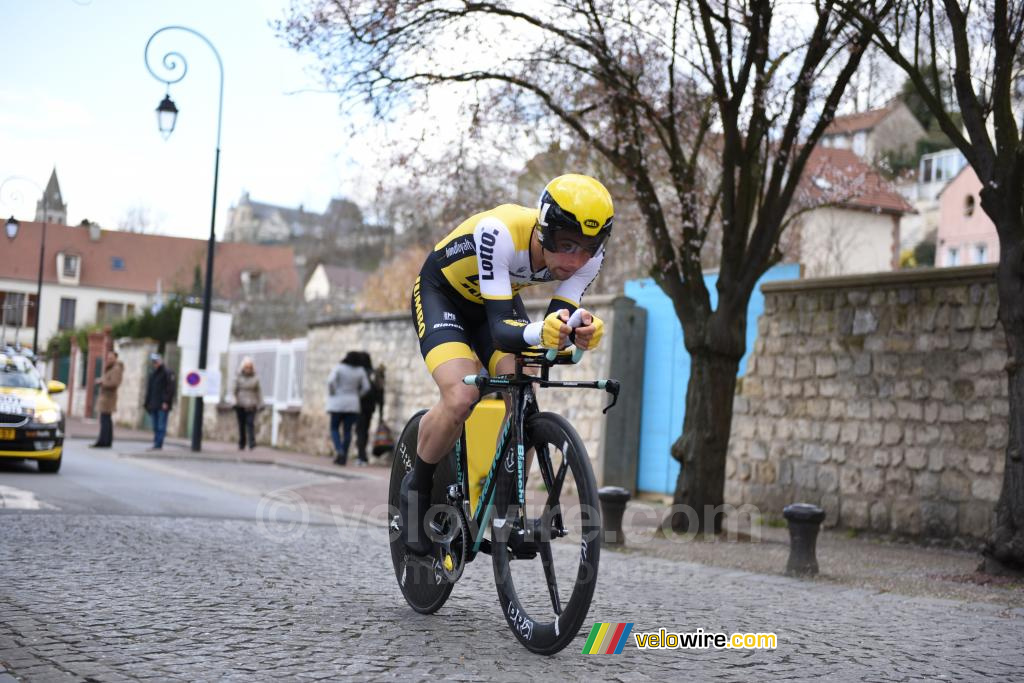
(568, 295)
(494, 248)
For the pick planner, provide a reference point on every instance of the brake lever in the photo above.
(612, 387)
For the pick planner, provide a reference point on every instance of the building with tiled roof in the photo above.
(849, 219)
(338, 235)
(263, 223)
(890, 130)
(332, 289)
(92, 275)
(260, 222)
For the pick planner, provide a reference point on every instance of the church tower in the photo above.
(55, 211)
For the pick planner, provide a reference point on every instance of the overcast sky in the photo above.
(76, 94)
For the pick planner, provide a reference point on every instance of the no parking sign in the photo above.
(193, 383)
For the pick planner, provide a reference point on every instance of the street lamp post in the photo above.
(11, 228)
(167, 114)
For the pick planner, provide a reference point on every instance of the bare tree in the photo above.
(139, 218)
(978, 42)
(709, 110)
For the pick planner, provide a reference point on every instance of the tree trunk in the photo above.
(704, 442)
(1004, 552)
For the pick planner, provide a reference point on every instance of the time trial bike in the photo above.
(516, 520)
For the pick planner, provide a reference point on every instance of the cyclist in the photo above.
(466, 306)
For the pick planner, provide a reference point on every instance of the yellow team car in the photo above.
(31, 423)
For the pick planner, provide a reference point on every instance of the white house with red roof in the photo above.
(339, 283)
(92, 275)
(846, 217)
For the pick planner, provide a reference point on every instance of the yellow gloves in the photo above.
(555, 333)
(591, 341)
(556, 330)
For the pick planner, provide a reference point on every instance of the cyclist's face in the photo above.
(569, 256)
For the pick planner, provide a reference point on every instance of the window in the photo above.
(926, 170)
(14, 308)
(953, 257)
(109, 311)
(969, 205)
(70, 265)
(67, 314)
(116, 263)
(252, 283)
(860, 143)
(980, 253)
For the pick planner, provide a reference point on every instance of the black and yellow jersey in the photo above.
(486, 261)
(488, 257)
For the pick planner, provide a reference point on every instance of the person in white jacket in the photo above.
(345, 385)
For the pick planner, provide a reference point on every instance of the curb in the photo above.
(249, 461)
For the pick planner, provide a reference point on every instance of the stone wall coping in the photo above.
(913, 277)
(532, 304)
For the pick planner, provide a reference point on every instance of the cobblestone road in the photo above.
(113, 598)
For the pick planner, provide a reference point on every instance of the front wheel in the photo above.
(545, 556)
(421, 579)
(50, 466)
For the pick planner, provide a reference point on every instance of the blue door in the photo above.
(667, 371)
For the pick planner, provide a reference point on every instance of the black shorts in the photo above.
(449, 325)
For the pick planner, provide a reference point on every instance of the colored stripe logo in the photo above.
(607, 639)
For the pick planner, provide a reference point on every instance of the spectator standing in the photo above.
(160, 392)
(113, 371)
(248, 401)
(367, 404)
(346, 384)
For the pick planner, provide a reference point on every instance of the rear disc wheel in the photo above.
(424, 580)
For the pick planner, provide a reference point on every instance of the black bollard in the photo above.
(613, 505)
(804, 520)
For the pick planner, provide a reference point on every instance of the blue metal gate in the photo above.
(667, 371)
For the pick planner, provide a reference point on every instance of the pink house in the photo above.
(966, 234)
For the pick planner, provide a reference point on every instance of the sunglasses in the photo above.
(569, 246)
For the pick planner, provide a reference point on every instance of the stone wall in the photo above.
(220, 423)
(882, 398)
(391, 339)
(132, 392)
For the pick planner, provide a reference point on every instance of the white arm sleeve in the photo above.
(572, 289)
(494, 250)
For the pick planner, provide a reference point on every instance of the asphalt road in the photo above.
(110, 482)
(177, 570)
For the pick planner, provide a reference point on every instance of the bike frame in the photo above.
(520, 387)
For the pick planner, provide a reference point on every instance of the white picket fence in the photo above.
(279, 364)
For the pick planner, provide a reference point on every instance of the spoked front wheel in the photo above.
(545, 561)
(424, 581)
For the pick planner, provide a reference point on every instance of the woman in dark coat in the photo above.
(368, 402)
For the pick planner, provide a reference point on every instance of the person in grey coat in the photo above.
(248, 401)
(345, 385)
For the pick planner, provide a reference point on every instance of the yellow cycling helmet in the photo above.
(578, 205)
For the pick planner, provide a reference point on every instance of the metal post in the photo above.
(804, 520)
(16, 195)
(39, 284)
(170, 63)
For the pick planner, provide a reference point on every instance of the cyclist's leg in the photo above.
(446, 334)
(444, 342)
(442, 425)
